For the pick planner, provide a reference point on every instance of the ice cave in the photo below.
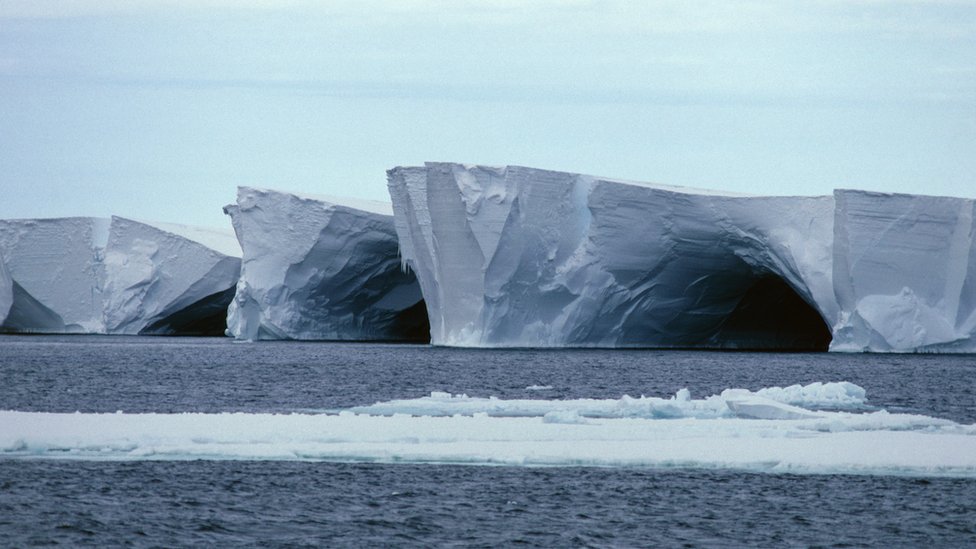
(321, 268)
(480, 256)
(522, 257)
(115, 276)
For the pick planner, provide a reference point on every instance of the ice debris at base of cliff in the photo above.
(513, 256)
(115, 276)
(317, 268)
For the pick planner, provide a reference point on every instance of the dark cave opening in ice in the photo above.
(205, 317)
(772, 316)
(412, 324)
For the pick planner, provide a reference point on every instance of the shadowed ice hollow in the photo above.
(514, 256)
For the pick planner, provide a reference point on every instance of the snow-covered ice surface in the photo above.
(316, 268)
(114, 276)
(763, 431)
(514, 256)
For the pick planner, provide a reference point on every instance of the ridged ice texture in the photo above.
(111, 276)
(904, 272)
(516, 256)
(317, 269)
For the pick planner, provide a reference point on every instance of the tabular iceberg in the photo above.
(321, 268)
(116, 276)
(516, 256)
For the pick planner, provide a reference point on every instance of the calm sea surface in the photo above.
(262, 504)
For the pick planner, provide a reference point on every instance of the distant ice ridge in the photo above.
(737, 430)
(777, 402)
(320, 268)
(114, 276)
(514, 256)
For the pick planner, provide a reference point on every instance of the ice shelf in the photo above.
(321, 268)
(515, 256)
(113, 276)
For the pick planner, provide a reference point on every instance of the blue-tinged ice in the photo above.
(514, 256)
(114, 276)
(317, 267)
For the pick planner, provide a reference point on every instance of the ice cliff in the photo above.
(905, 273)
(321, 268)
(515, 256)
(6, 291)
(114, 276)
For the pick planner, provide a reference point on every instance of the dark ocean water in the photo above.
(268, 504)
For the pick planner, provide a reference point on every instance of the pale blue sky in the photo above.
(158, 109)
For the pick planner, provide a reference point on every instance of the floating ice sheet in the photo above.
(737, 429)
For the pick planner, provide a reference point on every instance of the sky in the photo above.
(159, 109)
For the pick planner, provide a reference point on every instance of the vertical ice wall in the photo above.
(152, 276)
(904, 272)
(516, 256)
(56, 268)
(315, 268)
(95, 275)
(6, 291)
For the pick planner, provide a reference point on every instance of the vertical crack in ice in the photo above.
(958, 260)
(94, 275)
(650, 265)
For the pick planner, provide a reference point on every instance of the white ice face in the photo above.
(905, 268)
(157, 281)
(318, 269)
(773, 430)
(512, 256)
(6, 291)
(55, 265)
(114, 276)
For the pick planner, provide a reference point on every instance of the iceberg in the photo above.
(514, 256)
(116, 276)
(320, 268)
(518, 256)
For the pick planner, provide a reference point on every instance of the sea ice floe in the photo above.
(729, 403)
(549, 433)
